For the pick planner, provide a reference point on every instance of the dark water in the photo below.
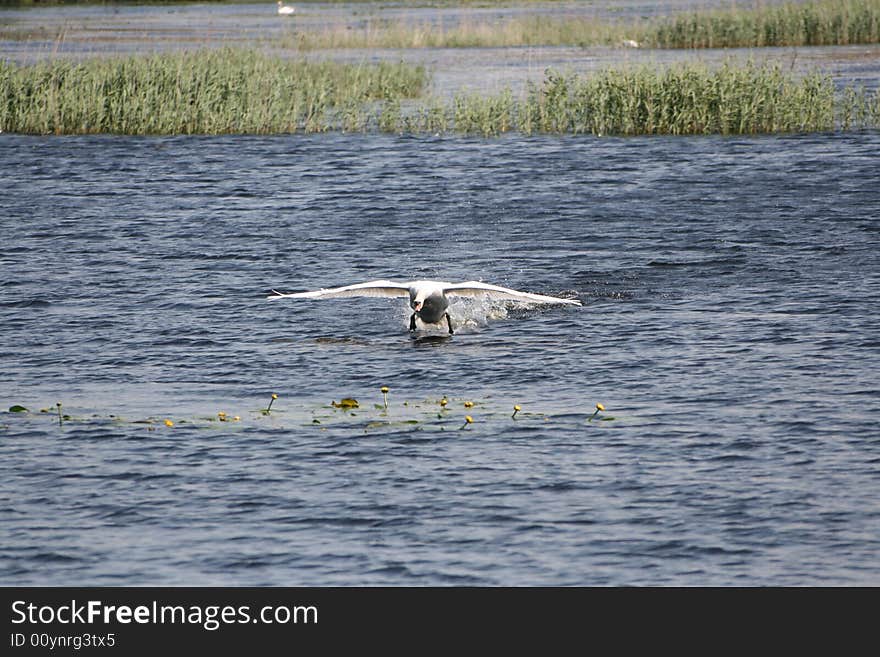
(730, 289)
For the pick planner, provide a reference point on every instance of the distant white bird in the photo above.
(630, 43)
(285, 10)
(428, 299)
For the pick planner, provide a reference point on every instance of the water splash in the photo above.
(468, 315)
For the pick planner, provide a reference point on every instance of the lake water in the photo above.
(730, 328)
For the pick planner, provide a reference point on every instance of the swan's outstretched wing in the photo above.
(370, 289)
(477, 289)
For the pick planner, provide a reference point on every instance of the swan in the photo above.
(285, 10)
(428, 299)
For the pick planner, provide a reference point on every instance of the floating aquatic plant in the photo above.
(599, 407)
(268, 409)
(428, 414)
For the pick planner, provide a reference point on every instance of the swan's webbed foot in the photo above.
(412, 322)
(449, 323)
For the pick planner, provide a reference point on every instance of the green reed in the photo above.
(818, 22)
(202, 92)
(680, 100)
(754, 24)
(222, 92)
(466, 33)
(815, 23)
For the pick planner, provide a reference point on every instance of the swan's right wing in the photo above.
(369, 289)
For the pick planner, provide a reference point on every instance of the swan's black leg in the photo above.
(449, 323)
(412, 322)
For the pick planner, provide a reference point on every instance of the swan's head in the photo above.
(429, 305)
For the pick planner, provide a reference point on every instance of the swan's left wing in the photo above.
(486, 291)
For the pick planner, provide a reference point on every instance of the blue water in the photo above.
(730, 329)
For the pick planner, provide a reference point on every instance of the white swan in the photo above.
(428, 299)
(285, 10)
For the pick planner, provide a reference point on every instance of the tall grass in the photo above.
(815, 23)
(467, 33)
(205, 92)
(686, 99)
(217, 92)
(681, 100)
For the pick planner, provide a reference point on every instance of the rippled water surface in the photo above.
(729, 328)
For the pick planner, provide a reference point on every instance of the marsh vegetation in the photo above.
(221, 92)
(205, 92)
(814, 23)
(253, 90)
(682, 99)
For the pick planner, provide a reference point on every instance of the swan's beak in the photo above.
(417, 306)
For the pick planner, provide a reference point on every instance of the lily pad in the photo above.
(18, 409)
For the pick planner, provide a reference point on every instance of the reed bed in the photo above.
(816, 23)
(686, 99)
(681, 100)
(466, 33)
(233, 92)
(204, 92)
